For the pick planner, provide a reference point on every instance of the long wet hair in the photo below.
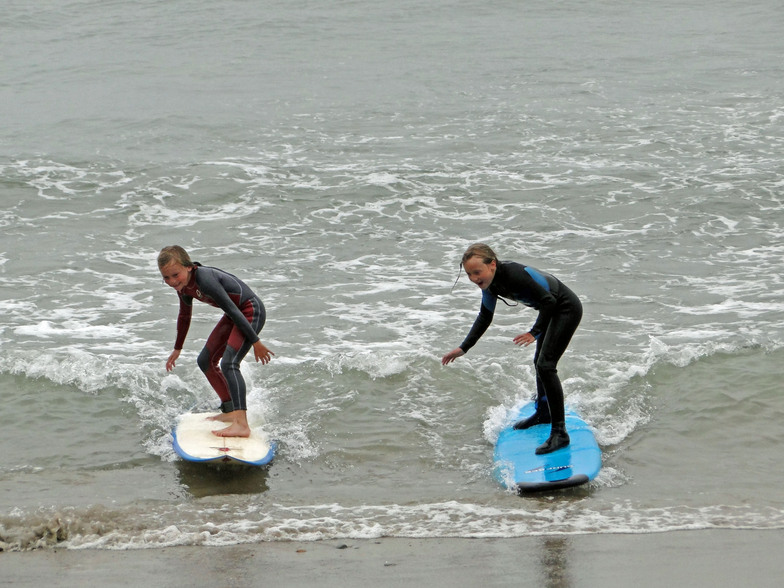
(480, 250)
(172, 253)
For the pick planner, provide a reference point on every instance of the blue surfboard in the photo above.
(517, 466)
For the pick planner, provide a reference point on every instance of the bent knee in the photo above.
(545, 367)
(203, 361)
(229, 361)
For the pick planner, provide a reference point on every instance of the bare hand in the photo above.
(172, 358)
(261, 352)
(525, 339)
(452, 356)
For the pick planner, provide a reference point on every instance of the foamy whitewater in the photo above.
(339, 158)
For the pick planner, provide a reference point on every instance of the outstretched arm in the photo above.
(452, 356)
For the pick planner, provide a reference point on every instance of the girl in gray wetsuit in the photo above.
(560, 312)
(230, 340)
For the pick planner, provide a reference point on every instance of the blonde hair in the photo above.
(479, 250)
(175, 253)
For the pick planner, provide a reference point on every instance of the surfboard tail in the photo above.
(570, 482)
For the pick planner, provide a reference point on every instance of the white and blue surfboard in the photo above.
(517, 466)
(194, 441)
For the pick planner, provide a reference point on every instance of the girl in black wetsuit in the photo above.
(230, 340)
(560, 312)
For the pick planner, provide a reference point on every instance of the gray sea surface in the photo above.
(339, 157)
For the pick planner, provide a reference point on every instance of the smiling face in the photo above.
(176, 275)
(479, 272)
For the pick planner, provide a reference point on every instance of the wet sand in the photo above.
(713, 558)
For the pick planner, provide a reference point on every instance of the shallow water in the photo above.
(339, 161)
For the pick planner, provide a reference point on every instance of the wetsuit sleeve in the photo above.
(546, 304)
(183, 320)
(483, 320)
(214, 289)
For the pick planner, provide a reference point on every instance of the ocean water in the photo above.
(339, 157)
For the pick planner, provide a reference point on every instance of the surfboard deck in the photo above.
(517, 466)
(194, 441)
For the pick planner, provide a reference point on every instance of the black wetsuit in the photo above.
(560, 312)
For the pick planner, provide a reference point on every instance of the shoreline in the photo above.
(696, 558)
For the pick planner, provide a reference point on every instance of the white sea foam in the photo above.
(214, 527)
(71, 329)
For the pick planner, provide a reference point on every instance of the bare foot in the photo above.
(223, 417)
(233, 430)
